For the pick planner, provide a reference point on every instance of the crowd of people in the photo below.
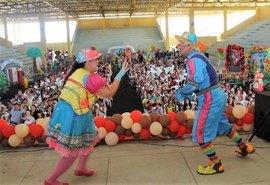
(155, 80)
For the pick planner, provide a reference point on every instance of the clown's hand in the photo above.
(179, 96)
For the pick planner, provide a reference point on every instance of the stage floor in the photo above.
(155, 162)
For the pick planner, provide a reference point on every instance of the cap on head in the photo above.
(81, 56)
(188, 37)
(88, 54)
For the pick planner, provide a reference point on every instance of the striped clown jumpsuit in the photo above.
(202, 79)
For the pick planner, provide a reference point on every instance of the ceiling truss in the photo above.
(15, 9)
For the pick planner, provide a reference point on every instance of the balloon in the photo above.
(251, 109)
(127, 122)
(190, 114)
(29, 140)
(156, 128)
(136, 136)
(3, 123)
(100, 122)
(36, 130)
(110, 126)
(174, 126)
(136, 115)
(239, 122)
(189, 123)
(40, 139)
(8, 130)
(145, 134)
(248, 118)
(164, 119)
(128, 132)
(119, 130)
(232, 119)
(229, 109)
(165, 132)
(117, 118)
(4, 142)
(43, 122)
(1, 136)
(21, 130)
(136, 128)
(181, 131)
(14, 140)
(237, 127)
(172, 116)
(239, 111)
(102, 132)
(154, 116)
(181, 117)
(247, 127)
(172, 134)
(126, 114)
(109, 118)
(145, 121)
(111, 139)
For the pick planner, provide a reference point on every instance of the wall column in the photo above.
(225, 16)
(167, 37)
(5, 28)
(43, 44)
(68, 35)
(191, 21)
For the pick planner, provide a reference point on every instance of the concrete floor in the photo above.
(155, 162)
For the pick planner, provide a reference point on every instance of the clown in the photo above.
(71, 131)
(210, 119)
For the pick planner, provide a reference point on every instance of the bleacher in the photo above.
(12, 53)
(257, 34)
(103, 39)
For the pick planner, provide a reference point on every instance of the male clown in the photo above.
(210, 120)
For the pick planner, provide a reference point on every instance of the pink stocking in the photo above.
(82, 169)
(62, 166)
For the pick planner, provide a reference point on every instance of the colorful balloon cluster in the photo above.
(22, 134)
(135, 125)
(241, 117)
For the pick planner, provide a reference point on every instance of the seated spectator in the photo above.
(28, 119)
(16, 114)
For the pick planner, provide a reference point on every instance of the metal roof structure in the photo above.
(19, 9)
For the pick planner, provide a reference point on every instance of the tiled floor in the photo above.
(155, 162)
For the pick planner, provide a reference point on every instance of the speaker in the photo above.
(262, 115)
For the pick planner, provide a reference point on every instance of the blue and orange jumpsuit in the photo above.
(202, 79)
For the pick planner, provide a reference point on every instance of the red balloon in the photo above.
(136, 115)
(35, 130)
(3, 123)
(239, 122)
(145, 133)
(248, 118)
(172, 116)
(174, 126)
(8, 130)
(110, 126)
(121, 137)
(188, 130)
(181, 131)
(100, 122)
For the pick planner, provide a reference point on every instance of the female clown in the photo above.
(71, 131)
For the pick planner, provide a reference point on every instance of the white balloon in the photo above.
(136, 128)
(111, 139)
(156, 128)
(102, 132)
